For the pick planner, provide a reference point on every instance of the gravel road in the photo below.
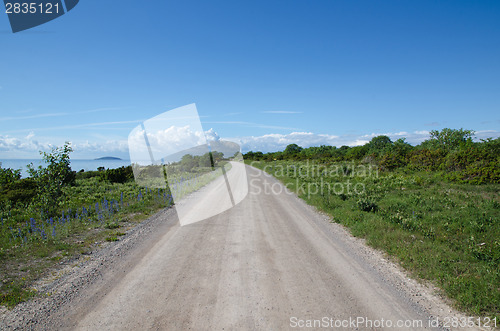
(269, 263)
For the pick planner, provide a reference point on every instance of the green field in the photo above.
(447, 233)
(56, 214)
(94, 211)
(433, 207)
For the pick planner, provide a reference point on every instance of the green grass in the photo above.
(442, 232)
(27, 255)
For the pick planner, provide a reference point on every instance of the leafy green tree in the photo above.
(51, 179)
(451, 139)
(401, 146)
(217, 157)
(204, 161)
(8, 175)
(188, 162)
(379, 144)
(356, 152)
(395, 156)
(292, 149)
(253, 155)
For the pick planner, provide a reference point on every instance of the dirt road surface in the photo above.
(269, 263)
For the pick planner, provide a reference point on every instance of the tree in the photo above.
(188, 162)
(205, 161)
(379, 143)
(357, 152)
(9, 175)
(51, 179)
(217, 157)
(401, 147)
(292, 149)
(450, 139)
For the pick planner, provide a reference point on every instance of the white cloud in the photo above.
(212, 135)
(24, 144)
(278, 142)
(275, 141)
(483, 134)
(108, 146)
(163, 142)
(30, 135)
(415, 137)
(173, 139)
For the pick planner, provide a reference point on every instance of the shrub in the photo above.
(9, 175)
(379, 144)
(365, 204)
(391, 161)
(451, 139)
(51, 179)
(87, 174)
(357, 152)
(118, 175)
(426, 159)
(21, 191)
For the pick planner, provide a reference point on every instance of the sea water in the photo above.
(76, 164)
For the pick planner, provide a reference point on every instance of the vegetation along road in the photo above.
(291, 253)
(270, 263)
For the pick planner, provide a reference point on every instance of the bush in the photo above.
(21, 191)
(426, 159)
(357, 152)
(365, 204)
(379, 144)
(480, 172)
(451, 139)
(51, 179)
(9, 175)
(118, 175)
(87, 174)
(391, 161)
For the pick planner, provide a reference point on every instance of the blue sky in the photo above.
(266, 73)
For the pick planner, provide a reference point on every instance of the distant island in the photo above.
(108, 158)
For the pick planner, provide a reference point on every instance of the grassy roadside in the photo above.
(98, 206)
(442, 232)
(94, 212)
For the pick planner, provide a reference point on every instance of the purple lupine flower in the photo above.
(32, 223)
